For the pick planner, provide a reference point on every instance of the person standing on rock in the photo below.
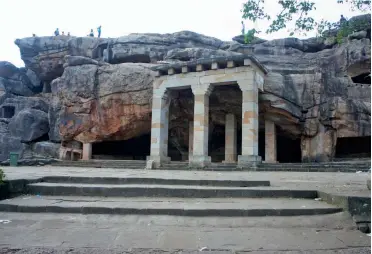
(99, 31)
(91, 33)
(243, 28)
(56, 32)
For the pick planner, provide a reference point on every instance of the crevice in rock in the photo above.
(364, 78)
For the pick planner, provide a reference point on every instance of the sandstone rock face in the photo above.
(15, 81)
(29, 125)
(45, 55)
(104, 103)
(312, 91)
(46, 149)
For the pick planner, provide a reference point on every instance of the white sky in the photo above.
(217, 18)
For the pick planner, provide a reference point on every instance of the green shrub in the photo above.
(2, 176)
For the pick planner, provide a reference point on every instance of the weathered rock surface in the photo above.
(309, 91)
(15, 81)
(104, 103)
(46, 149)
(29, 124)
(45, 55)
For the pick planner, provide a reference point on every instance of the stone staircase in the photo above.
(165, 196)
(127, 164)
(363, 165)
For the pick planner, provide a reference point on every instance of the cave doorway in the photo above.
(8, 111)
(288, 147)
(137, 148)
(364, 78)
(353, 147)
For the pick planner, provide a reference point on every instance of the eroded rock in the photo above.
(29, 125)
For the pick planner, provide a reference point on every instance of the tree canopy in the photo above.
(297, 13)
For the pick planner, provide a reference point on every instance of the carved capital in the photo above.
(202, 89)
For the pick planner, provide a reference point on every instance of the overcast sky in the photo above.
(217, 18)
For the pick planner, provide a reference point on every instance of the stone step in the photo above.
(153, 190)
(159, 181)
(167, 206)
(291, 169)
(103, 164)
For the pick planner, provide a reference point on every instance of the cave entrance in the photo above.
(288, 147)
(364, 78)
(132, 149)
(8, 111)
(353, 147)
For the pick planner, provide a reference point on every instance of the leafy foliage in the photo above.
(297, 11)
(2, 176)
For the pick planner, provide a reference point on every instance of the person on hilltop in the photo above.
(243, 28)
(343, 21)
(56, 32)
(99, 31)
(91, 33)
(63, 33)
(68, 34)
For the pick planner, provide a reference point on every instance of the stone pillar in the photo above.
(200, 157)
(230, 139)
(87, 151)
(249, 157)
(159, 128)
(191, 139)
(270, 142)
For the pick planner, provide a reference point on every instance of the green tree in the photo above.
(295, 12)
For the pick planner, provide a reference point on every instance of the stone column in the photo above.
(87, 151)
(230, 139)
(200, 157)
(270, 142)
(159, 128)
(191, 139)
(249, 155)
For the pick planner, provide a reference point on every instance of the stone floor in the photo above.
(71, 233)
(332, 182)
(76, 233)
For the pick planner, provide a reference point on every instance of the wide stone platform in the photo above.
(148, 211)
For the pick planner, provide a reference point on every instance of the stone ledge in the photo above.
(206, 63)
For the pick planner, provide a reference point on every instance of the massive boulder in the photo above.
(45, 55)
(15, 81)
(150, 48)
(29, 125)
(109, 102)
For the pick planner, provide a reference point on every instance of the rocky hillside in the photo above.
(90, 89)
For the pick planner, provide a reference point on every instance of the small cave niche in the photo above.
(45, 137)
(137, 148)
(353, 147)
(8, 111)
(288, 147)
(364, 78)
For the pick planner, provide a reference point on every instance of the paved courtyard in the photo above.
(77, 233)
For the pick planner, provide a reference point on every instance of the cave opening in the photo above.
(137, 148)
(44, 137)
(364, 78)
(288, 147)
(353, 147)
(8, 111)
